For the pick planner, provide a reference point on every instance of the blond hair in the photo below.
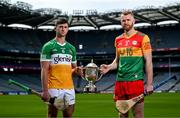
(127, 12)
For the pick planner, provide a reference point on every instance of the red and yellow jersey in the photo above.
(61, 58)
(130, 51)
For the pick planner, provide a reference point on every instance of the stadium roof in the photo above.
(22, 13)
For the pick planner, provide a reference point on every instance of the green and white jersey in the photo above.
(61, 57)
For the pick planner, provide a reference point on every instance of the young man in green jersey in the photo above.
(58, 63)
(133, 53)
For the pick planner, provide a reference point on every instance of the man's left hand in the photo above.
(79, 71)
(149, 89)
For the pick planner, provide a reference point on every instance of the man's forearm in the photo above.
(149, 73)
(113, 65)
(44, 80)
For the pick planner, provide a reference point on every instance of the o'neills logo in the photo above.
(61, 59)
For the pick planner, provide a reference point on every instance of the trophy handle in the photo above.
(100, 77)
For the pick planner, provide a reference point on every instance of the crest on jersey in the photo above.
(63, 50)
(134, 42)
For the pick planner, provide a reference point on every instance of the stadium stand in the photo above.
(31, 80)
(19, 40)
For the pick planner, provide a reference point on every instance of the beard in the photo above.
(128, 27)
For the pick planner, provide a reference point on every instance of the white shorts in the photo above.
(61, 93)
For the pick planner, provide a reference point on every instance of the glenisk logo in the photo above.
(61, 59)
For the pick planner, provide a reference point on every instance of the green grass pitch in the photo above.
(158, 105)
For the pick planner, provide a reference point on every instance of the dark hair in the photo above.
(61, 21)
(127, 12)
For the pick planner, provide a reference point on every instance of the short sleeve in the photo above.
(115, 42)
(45, 53)
(146, 45)
(74, 60)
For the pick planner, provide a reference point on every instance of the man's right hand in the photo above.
(45, 96)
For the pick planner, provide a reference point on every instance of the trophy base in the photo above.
(90, 88)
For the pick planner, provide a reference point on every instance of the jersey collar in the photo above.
(130, 35)
(60, 43)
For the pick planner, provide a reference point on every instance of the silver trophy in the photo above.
(91, 74)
